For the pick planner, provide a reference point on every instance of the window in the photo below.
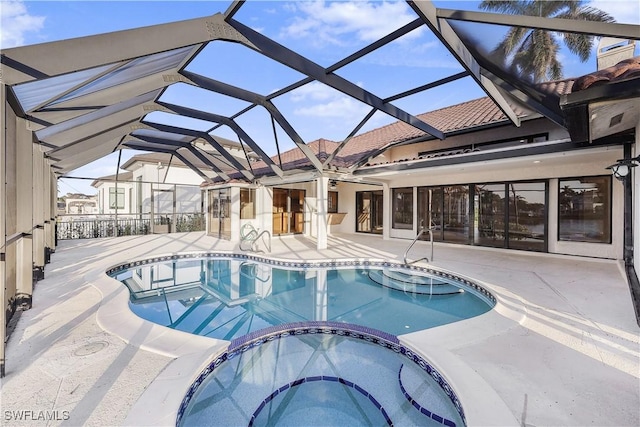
(332, 202)
(403, 208)
(489, 145)
(247, 203)
(584, 207)
(112, 198)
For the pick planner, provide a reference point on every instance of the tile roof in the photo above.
(472, 114)
(466, 115)
(122, 176)
(295, 158)
(623, 70)
(557, 87)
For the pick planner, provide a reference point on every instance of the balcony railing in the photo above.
(98, 226)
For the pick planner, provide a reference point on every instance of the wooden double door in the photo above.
(288, 211)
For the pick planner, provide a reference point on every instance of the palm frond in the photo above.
(513, 40)
(501, 6)
(587, 13)
(579, 44)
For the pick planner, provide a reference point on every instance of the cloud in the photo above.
(624, 12)
(15, 21)
(328, 22)
(322, 101)
(429, 54)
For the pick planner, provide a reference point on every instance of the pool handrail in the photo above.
(420, 233)
(252, 236)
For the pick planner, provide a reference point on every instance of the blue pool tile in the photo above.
(426, 412)
(375, 402)
(360, 389)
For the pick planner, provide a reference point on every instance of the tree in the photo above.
(533, 53)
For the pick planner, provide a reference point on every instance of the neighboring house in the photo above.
(147, 174)
(114, 195)
(155, 185)
(76, 203)
(536, 187)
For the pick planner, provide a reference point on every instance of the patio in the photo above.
(555, 351)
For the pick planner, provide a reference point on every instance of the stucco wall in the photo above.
(573, 166)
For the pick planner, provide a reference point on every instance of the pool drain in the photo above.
(90, 348)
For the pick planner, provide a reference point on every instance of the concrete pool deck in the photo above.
(561, 348)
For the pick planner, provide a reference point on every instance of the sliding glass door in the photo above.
(219, 213)
(369, 208)
(511, 215)
(503, 215)
(446, 211)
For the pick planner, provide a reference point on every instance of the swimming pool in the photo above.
(226, 297)
(309, 341)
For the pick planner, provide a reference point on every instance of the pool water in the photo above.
(226, 298)
(311, 343)
(321, 377)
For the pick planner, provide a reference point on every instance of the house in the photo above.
(114, 193)
(155, 185)
(535, 187)
(77, 203)
(528, 169)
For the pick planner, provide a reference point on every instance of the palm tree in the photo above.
(533, 52)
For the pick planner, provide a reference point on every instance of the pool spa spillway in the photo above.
(311, 343)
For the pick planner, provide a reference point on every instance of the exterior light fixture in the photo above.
(622, 168)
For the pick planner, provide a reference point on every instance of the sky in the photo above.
(323, 31)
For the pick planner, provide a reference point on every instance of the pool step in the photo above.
(413, 283)
(427, 398)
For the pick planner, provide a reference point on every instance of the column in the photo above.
(386, 211)
(40, 199)
(24, 212)
(50, 209)
(321, 308)
(322, 195)
(3, 234)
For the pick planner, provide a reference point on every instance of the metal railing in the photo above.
(420, 233)
(87, 227)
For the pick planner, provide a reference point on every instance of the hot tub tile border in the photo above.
(255, 339)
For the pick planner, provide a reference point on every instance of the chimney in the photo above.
(612, 50)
